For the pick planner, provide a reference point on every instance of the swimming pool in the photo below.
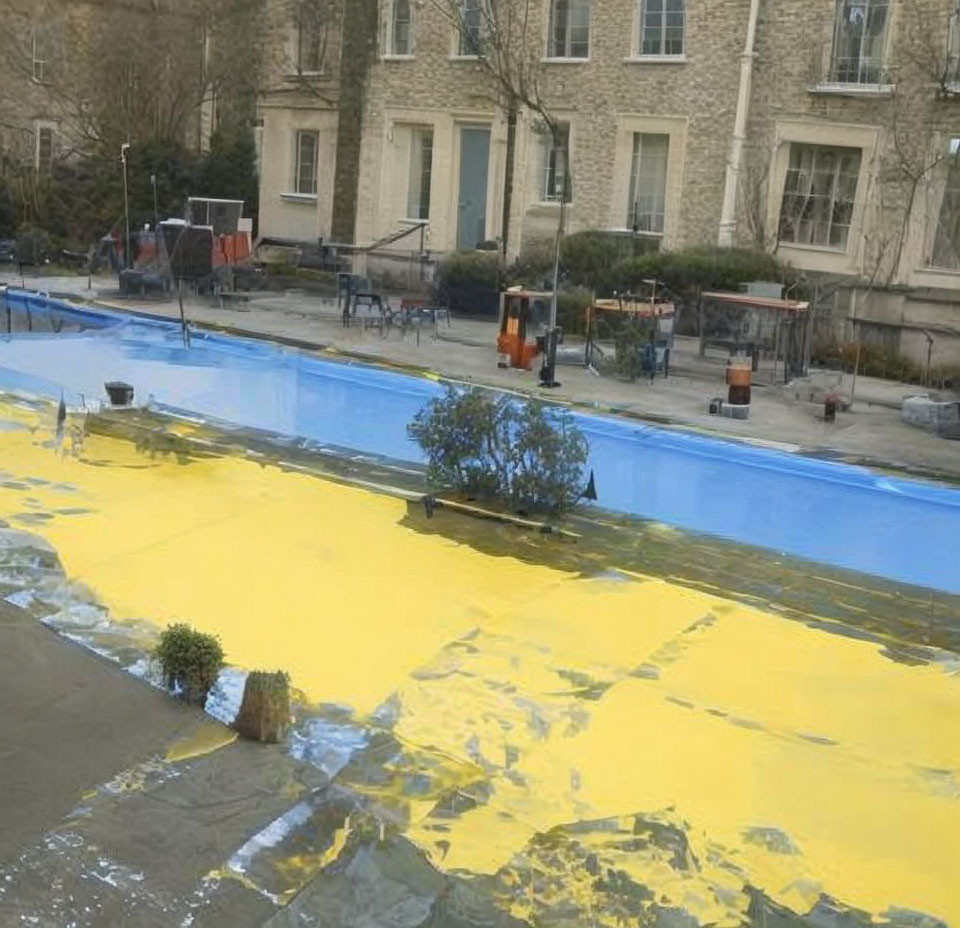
(837, 514)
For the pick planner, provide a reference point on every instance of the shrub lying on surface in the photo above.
(265, 711)
(488, 446)
(190, 661)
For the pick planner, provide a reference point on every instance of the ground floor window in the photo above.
(555, 164)
(308, 143)
(946, 244)
(648, 183)
(819, 195)
(421, 173)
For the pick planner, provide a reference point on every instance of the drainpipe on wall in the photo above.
(728, 219)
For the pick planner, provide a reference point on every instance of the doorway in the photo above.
(474, 170)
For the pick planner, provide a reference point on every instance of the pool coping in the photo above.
(340, 355)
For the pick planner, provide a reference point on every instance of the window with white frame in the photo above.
(951, 74)
(471, 27)
(819, 195)
(421, 173)
(946, 243)
(662, 26)
(569, 29)
(555, 165)
(860, 42)
(305, 178)
(401, 28)
(311, 37)
(647, 205)
(38, 53)
(43, 153)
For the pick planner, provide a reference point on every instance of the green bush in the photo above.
(265, 711)
(682, 272)
(527, 455)
(532, 270)
(33, 244)
(629, 342)
(589, 259)
(190, 661)
(470, 282)
(572, 310)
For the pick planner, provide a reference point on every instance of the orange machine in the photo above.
(524, 315)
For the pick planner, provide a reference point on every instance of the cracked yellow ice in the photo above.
(573, 699)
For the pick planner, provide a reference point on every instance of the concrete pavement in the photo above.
(465, 351)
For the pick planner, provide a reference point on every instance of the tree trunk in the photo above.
(509, 174)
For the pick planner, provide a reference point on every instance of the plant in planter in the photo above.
(265, 711)
(526, 455)
(190, 661)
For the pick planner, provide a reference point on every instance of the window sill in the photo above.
(398, 57)
(467, 58)
(623, 230)
(305, 198)
(656, 59)
(829, 88)
(816, 249)
(548, 60)
(552, 204)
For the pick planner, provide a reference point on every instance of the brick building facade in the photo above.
(825, 130)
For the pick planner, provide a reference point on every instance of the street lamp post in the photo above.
(126, 202)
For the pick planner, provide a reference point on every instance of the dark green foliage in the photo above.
(190, 661)
(629, 340)
(265, 711)
(590, 259)
(490, 446)
(82, 199)
(572, 310)
(470, 282)
(8, 209)
(229, 171)
(683, 272)
(33, 244)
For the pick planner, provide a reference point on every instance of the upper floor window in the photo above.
(951, 76)
(569, 29)
(819, 195)
(555, 165)
(472, 27)
(311, 36)
(860, 42)
(401, 32)
(421, 173)
(38, 53)
(305, 180)
(946, 244)
(647, 206)
(662, 24)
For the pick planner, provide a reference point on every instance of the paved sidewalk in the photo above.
(465, 351)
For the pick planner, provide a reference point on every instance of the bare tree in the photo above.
(505, 36)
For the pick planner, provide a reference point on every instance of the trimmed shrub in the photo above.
(572, 310)
(682, 272)
(470, 281)
(590, 259)
(190, 661)
(488, 446)
(265, 711)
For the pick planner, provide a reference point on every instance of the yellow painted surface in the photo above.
(206, 738)
(567, 700)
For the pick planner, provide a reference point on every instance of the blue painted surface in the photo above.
(837, 514)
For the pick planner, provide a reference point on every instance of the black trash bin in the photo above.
(120, 393)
